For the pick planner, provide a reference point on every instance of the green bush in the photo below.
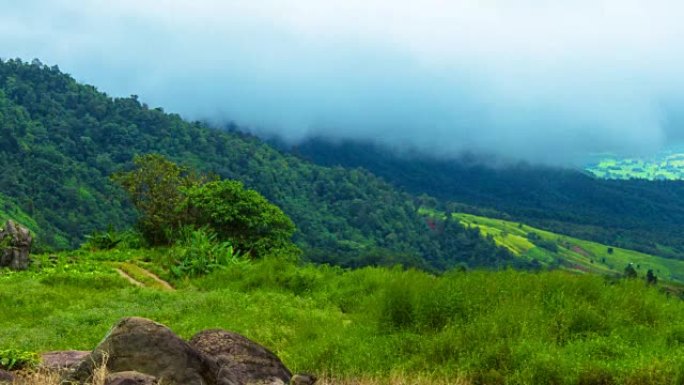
(170, 198)
(110, 239)
(198, 252)
(12, 359)
(397, 310)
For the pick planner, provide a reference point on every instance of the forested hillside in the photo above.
(60, 141)
(636, 214)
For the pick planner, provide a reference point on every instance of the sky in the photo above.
(552, 82)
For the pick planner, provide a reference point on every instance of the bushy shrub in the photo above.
(111, 239)
(397, 310)
(243, 216)
(198, 252)
(11, 359)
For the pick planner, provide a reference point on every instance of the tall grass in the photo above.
(378, 324)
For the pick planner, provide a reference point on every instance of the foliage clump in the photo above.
(240, 215)
(172, 199)
(13, 359)
(198, 252)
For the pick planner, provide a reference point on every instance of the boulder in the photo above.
(303, 379)
(240, 359)
(6, 377)
(64, 360)
(15, 246)
(141, 345)
(130, 378)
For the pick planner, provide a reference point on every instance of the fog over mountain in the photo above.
(549, 82)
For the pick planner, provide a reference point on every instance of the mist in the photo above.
(542, 82)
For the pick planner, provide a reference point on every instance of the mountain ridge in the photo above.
(62, 140)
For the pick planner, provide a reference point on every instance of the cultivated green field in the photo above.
(666, 166)
(568, 253)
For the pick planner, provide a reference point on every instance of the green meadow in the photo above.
(471, 327)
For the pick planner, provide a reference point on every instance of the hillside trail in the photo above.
(128, 277)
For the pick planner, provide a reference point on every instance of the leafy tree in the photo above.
(240, 215)
(154, 188)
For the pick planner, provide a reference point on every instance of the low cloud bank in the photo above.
(551, 83)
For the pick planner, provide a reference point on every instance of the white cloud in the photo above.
(540, 80)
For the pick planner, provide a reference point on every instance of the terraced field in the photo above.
(568, 253)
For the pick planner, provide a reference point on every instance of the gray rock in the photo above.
(241, 360)
(6, 377)
(15, 246)
(130, 378)
(141, 345)
(303, 379)
(62, 360)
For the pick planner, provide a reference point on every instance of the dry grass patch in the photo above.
(397, 379)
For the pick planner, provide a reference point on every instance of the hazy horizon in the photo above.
(533, 81)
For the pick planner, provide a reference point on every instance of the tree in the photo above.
(170, 197)
(240, 215)
(154, 188)
(630, 272)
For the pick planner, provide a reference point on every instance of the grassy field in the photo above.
(372, 325)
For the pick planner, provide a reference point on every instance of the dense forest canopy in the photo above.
(61, 140)
(637, 214)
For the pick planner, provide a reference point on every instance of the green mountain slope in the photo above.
(642, 215)
(10, 210)
(60, 140)
(552, 250)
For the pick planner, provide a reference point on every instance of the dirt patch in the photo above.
(580, 250)
(128, 278)
(160, 281)
(139, 276)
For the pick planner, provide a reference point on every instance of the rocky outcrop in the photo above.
(137, 351)
(15, 246)
(130, 378)
(240, 359)
(303, 379)
(141, 345)
(64, 360)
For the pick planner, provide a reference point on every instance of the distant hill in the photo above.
(636, 214)
(60, 141)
